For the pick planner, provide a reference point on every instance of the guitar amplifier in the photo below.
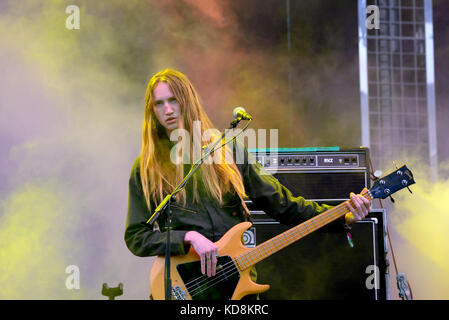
(322, 265)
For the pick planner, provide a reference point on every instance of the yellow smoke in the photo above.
(33, 252)
(63, 203)
(421, 220)
(69, 138)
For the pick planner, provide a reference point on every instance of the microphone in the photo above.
(240, 113)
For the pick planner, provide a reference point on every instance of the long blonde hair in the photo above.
(156, 170)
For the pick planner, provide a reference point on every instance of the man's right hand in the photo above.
(206, 249)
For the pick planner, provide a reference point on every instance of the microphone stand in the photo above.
(165, 206)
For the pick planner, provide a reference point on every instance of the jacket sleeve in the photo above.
(142, 239)
(277, 201)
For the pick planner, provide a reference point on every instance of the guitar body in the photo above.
(188, 283)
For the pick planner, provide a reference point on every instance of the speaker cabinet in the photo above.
(322, 265)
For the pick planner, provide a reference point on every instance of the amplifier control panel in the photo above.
(322, 161)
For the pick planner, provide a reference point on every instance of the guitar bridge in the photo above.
(178, 293)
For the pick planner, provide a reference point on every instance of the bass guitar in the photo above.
(232, 279)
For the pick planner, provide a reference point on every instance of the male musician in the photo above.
(211, 202)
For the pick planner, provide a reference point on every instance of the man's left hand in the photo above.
(359, 207)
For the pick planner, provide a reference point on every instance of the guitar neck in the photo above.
(292, 235)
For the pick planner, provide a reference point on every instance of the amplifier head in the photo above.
(319, 174)
(311, 158)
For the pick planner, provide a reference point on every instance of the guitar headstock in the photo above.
(399, 179)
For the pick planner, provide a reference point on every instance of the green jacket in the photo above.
(209, 217)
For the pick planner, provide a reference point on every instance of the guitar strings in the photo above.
(208, 282)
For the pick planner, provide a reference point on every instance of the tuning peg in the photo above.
(394, 162)
(376, 175)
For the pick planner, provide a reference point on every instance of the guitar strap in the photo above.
(245, 208)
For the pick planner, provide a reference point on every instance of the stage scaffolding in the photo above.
(397, 82)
